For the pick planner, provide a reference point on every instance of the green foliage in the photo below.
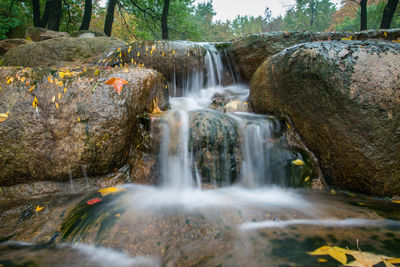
(311, 15)
(374, 16)
(13, 13)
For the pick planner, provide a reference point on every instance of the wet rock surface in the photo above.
(343, 99)
(60, 52)
(60, 120)
(252, 50)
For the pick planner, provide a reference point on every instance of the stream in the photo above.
(231, 192)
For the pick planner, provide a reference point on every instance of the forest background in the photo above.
(185, 20)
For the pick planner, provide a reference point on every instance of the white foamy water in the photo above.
(328, 222)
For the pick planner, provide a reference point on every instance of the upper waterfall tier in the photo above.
(187, 66)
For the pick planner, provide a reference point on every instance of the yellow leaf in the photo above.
(31, 88)
(65, 89)
(57, 106)
(337, 253)
(96, 72)
(49, 79)
(333, 192)
(396, 201)
(10, 80)
(79, 119)
(173, 52)
(288, 126)
(129, 49)
(4, 116)
(298, 162)
(307, 178)
(117, 215)
(53, 99)
(109, 190)
(138, 54)
(156, 109)
(147, 49)
(395, 261)
(38, 208)
(385, 34)
(322, 260)
(163, 54)
(23, 79)
(59, 96)
(35, 102)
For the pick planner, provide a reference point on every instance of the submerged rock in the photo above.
(61, 119)
(60, 52)
(250, 51)
(344, 101)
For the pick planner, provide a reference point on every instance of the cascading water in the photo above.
(218, 203)
(201, 144)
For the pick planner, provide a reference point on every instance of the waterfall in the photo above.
(205, 145)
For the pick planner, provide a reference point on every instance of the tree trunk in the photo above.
(36, 13)
(363, 15)
(87, 15)
(388, 12)
(109, 17)
(164, 20)
(312, 8)
(54, 15)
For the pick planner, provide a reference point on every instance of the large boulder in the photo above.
(8, 44)
(251, 51)
(60, 52)
(61, 120)
(343, 98)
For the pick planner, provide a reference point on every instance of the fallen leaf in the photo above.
(396, 201)
(110, 190)
(59, 96)
(129, 49)
(35, 102)
(333, 192)
(298, 162)
(117, 215)
(23, 79)
(322, 260)
(307, 178)
(117, 83)
(4, 116)
(93, 201)
(38, 208)
(173, 52)
(50, 79)
(53, 99)
(385, 34)
(57, 106)
(31, 88)
(156, 109)
(79, 119)
(10, 80)
(138, 54)
(96, 72)
(337, 253)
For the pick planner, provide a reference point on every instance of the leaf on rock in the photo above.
(156, 109)
(396, 201)
(337, 253)
(31, 88)
(93, 201)
(4, 116)
(110, 190)
(298, 162)
(38, 208)
(35, 102)
(117, 83)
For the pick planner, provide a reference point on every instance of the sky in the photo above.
(229, 9)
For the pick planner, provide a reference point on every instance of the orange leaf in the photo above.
(118, 83)
(93, 201)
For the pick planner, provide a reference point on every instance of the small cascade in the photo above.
(175, 158)
(205, 145)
